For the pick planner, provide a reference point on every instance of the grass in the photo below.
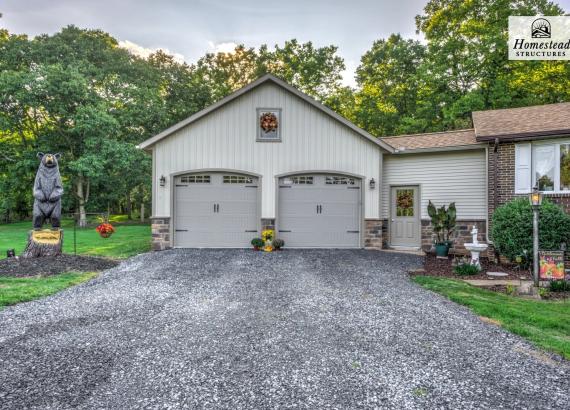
(17, 290)
(545, 323)
(128, 240)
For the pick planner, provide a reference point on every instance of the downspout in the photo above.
(496, 173)
(495, 187)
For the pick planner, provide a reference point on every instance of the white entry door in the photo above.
(215, 210)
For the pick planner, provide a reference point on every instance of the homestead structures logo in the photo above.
(539, 38)
(541, 28)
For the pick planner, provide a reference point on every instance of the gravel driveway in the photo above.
(239, 329)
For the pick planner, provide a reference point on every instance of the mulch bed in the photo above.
(444, 268)
(47, 266)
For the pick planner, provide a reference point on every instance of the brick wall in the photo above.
(506, 180)
(160, 228)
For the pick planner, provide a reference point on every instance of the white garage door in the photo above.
(215, 210)
(319, 211)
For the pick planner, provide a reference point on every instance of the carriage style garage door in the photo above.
(319, 211)
(215, 210)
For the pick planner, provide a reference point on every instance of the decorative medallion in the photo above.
(268, 122)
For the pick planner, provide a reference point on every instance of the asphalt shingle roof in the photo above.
(456, 138)
(524, 122)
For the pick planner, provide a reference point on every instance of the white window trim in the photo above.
(556, 145)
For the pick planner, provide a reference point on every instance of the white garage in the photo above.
(266, 156)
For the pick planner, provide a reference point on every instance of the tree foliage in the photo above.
(77, 92)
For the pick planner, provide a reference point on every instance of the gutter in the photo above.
(403, 151)
(524, 136)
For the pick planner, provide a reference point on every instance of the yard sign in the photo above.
(551, 265)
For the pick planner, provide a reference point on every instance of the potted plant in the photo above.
(443, 224)
(105, 230)
(267, 237)
(257, 243)
(278, 244)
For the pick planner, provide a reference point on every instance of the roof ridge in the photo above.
(523, 107)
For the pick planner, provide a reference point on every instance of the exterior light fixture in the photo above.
(162, 180)
(10, 253)
(372, 183)
(535, 199)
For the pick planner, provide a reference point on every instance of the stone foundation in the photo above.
(373, 233)
(160, 233)
(461, 235)
(268, 223)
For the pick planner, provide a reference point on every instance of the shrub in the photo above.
(466, 269)
(512, 228)
(278, 243)
(559, 286)
(257, 243)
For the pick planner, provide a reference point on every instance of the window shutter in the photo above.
(523, 168)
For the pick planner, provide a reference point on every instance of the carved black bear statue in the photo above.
(48, 190)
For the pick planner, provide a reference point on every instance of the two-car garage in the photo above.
(266, 157)
(218, 209)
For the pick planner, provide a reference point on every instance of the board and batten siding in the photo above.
(445, 177)
(226, 139)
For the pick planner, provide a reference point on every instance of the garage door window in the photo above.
(339, 181)
(237, 179)
(195, 179)
(302, 180)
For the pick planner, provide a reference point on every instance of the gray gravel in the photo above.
(239, 329)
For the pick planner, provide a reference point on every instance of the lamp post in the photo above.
(535, 198)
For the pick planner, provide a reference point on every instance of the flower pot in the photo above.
(442, 249)
(106, 234)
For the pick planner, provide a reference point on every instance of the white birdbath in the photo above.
(475, 247)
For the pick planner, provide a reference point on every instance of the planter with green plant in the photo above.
(257, 243)
(443, 222)
(278, 244)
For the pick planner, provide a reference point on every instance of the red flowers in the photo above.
(105, 230)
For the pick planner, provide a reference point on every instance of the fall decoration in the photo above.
(105, 230)
(267, 235)
(268, 122)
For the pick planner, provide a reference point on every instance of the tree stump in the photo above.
(44, 243)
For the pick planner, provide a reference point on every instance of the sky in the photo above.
(188, 29)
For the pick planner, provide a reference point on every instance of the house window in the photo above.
(268, 124)
(565, 167)
(237, 179)
(544, 164)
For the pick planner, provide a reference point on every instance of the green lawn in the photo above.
(545, 323)
(16, 290)
(128, 240)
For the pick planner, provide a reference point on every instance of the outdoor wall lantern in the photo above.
(535, 199)
(372, 183)
(162, 180)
